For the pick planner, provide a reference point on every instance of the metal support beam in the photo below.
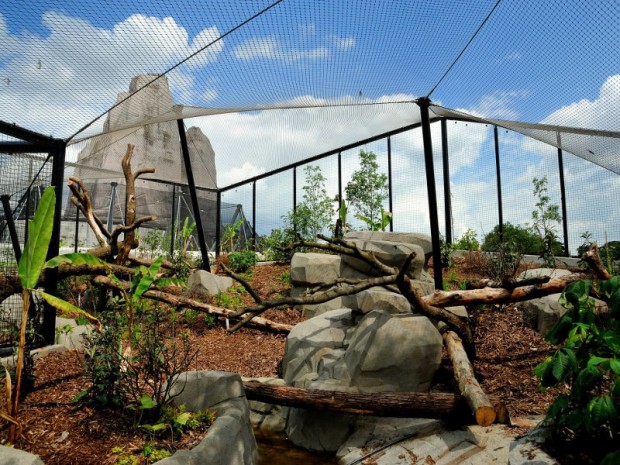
(390, 204)
(498, 174)
(173, 225)
(48, 329)
(192, 192)
(294, 198)
(254, 215)
(8, 217)
(218, 227)
(76, 234)
(340, 198)
(447, 194)
(424, 103)
(563, 198)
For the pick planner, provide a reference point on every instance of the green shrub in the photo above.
(468, 241)
(588, 363)
(525, 240)
(240, 262)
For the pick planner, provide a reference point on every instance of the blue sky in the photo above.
(555, 61)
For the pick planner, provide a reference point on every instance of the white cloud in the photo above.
(343, 43)
(498, 104)
(270, 48)
(76, 75)
(308, 29)
(512, 56)
(239, 173)
(209, 95)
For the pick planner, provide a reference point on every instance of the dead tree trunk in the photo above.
(479, 404)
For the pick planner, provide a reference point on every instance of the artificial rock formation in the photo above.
(364, 343)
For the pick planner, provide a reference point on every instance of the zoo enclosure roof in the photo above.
(352, 68)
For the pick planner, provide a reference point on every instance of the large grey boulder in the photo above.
(422, 240)
(11, 456)
(389, 253)
(377, 298)
(268, 418)
(393, 353)
(230, 440)
(310, 269)
(310, 340)
(203, 282)
(544, 312)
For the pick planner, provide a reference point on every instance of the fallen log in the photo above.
(478, 402)
(384, 404)
(181, 301)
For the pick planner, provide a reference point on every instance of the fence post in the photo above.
(192, 192)
(294, 198)
(563, 197)
(218, 220)
(424, 103)
(254, 215)
(498, 175)
(76, 232)
(447, 195)
(390, 204)
(8, 217)
(173, 215)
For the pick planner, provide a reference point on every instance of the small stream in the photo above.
(277, 450)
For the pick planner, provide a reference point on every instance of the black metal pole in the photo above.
(218, 220)
(563, 199)
(254, 215)
(8, 217)
(76, 235)
(48, 329)
(294, 198)
(340, 198)
(192, 192)
(173, 215)
(390, 204)
(447, 196)
(424, 103)
(498, 175)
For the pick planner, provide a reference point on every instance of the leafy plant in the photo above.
(66, 330)
(546, 218)
(588, 363)
(468, 241)
(314, 213)
(367, 189)
(176, 420)
(30, 266)
(230, 299)
(229, 236)
(378, 225)
(276, 246)
(240, 262)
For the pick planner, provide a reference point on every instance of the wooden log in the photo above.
(478, 402)
(384, 404)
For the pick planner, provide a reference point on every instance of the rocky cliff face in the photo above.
(156, 145)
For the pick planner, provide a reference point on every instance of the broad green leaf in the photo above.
(601, 410)
(171, 282)
(147, 279)
(40, 233)
(116, 281)
(559, 331)
(75, 259)
(155, 428)
(586, 379)
(147, 403)
(596, 361)
(613, 458)
(562, 363)
(614, 364)
(66, 307)
(183, 418)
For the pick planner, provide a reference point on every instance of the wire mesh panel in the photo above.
(274, 199)
(592, 195)
(522, 161)
(237, 209)
(24, 178)
(472, 178)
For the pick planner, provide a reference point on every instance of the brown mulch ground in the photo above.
(63, 433)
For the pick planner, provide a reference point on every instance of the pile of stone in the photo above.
(369, 342)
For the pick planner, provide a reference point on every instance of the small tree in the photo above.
(368, 188)
(546, 217)
(314, 213)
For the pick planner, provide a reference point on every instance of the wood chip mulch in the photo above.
(65, 434)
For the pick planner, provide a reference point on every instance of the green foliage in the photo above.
(240, 262)
(229, 236)
(152, 243)
(190, 316)
(588, 363)
(177, 420)
(367, 189)
(378, 225)
(285, 277)
(231, 299)
(546, 218)
(314, 213)
(445, 251)
(40, 233)
(276, 246)
(586, 244)
(468, 241)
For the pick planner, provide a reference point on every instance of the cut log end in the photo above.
(485, 416)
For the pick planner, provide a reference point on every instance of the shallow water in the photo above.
(277, 450)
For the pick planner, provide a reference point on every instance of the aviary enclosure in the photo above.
(464, 106)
